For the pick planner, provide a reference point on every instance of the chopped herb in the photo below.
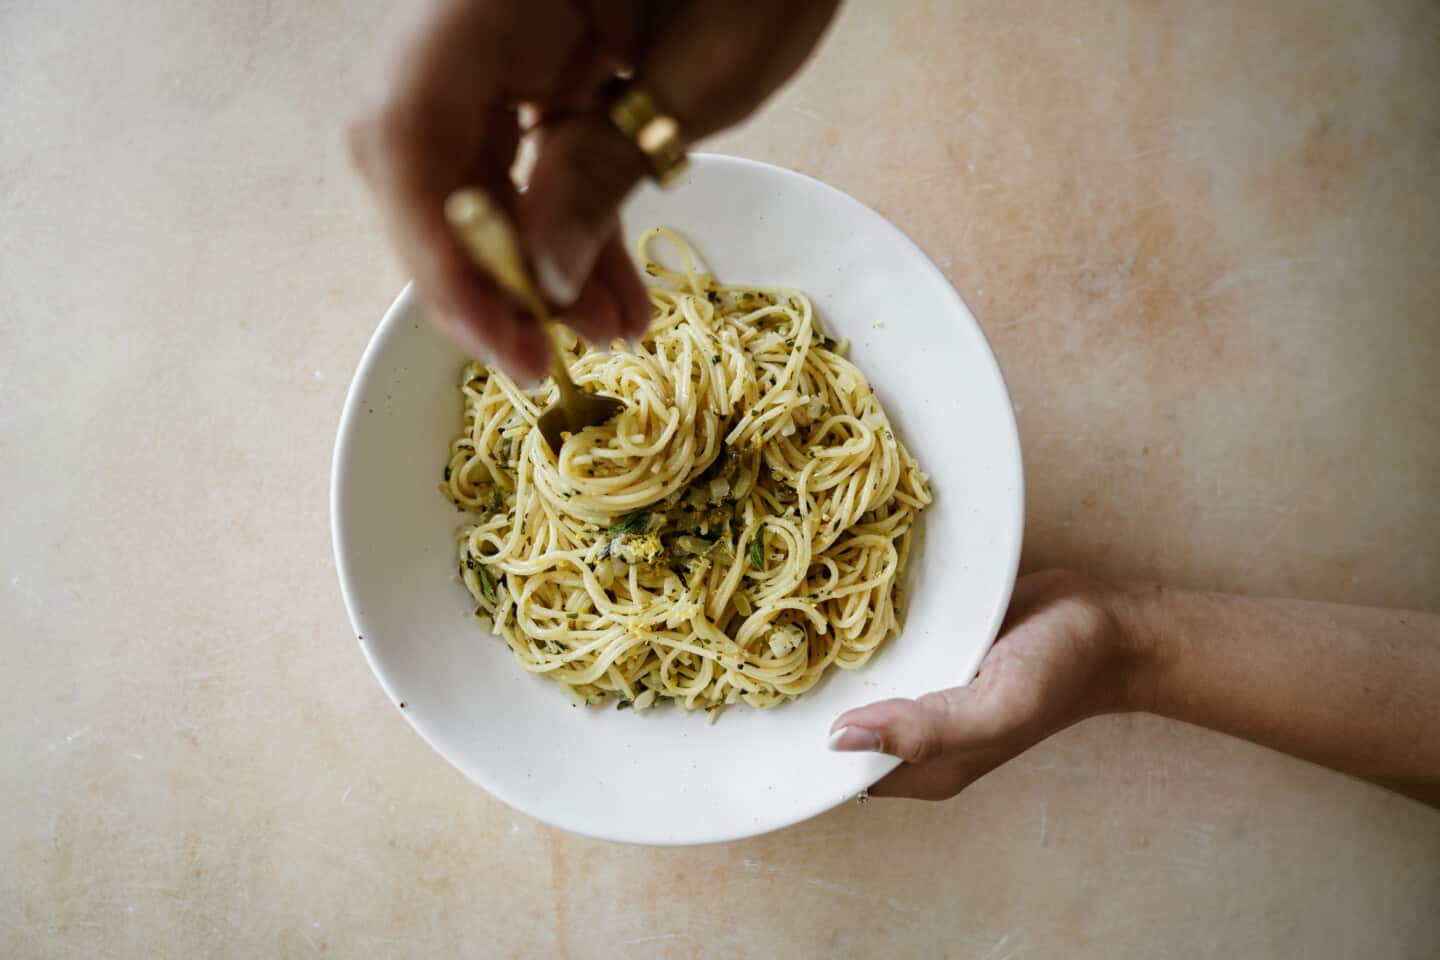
(635, 521)
(713, 359)
(487, 586)
(572, 616)
(496, 503)
(447, 474)
(757, 552)
(623, 705)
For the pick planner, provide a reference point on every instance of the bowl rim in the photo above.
(405, 302)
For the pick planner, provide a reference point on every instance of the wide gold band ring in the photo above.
(636, 113)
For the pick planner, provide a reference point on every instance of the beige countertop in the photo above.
(1203, 240)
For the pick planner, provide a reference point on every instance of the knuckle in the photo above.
(921, 749)
(928, 743)
(935, 701)
(924, 751)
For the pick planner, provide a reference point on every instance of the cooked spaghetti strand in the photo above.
(739, 527)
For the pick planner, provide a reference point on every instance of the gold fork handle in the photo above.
(485, 232)
(559, 369)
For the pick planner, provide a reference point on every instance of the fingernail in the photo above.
(849, 739)
(560, 266)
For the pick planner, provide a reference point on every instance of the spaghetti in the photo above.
(739, 527)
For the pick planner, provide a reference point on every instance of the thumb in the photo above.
(917, 731)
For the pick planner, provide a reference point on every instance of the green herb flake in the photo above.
(714, 359)
(757, 552)
(447, 474)
(487, 586)
(623, 705)
(638, 520)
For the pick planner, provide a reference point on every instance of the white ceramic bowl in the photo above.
(664, 776)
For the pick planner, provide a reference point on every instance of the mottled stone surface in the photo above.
(1203, 240)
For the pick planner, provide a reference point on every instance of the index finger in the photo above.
(430, 126)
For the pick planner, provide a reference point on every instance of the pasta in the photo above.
(743, 524)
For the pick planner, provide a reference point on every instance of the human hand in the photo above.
(1064, 654)
(438, 115)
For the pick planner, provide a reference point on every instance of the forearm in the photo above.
(1352, 688)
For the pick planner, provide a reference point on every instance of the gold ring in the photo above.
(636, 113)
